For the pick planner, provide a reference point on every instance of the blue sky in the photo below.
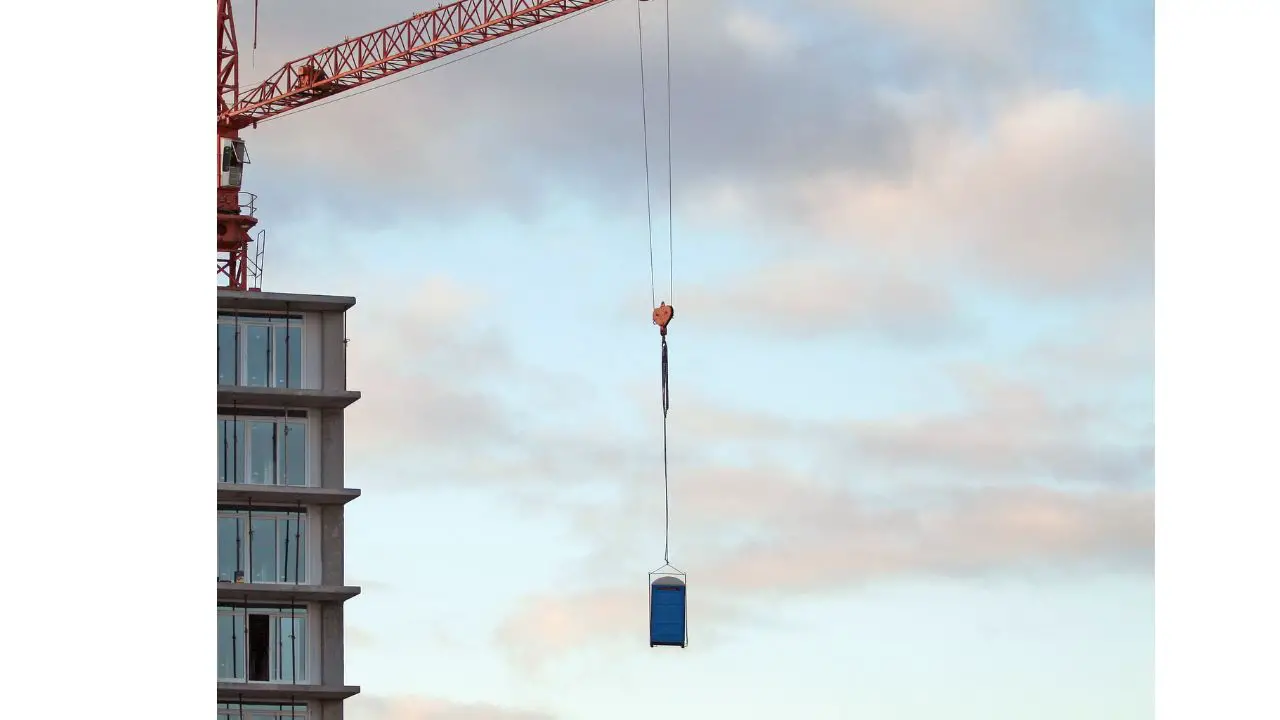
(911, 365)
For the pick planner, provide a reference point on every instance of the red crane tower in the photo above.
(427, 36)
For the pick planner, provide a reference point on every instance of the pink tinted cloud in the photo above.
(551, 626)
(825, 294)
(748, 535)
(823, 543)
(412, 707)
(417, 364)
(1009, 430)
(1057, 195)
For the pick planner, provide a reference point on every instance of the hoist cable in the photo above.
(662, 314)
(648, 184)
(671, 262)
(253, 56)
(666, 481)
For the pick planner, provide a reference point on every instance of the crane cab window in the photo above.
(234, 156)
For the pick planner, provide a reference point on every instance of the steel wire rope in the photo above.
(666, 405)
(648, 182)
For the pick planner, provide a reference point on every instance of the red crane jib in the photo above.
(359, 61)
(371, 57)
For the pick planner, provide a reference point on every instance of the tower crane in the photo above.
(427, 36)
(355, 62)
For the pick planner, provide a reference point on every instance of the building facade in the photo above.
(282, 391)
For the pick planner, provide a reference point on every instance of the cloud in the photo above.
(803, 298)
(356, 637)
(1110, 347)
(1056, 196)
(970, 24)
(514, 128)
(366, 707)
(886, 146)
(445, 394)
(446, 398)
(748, 535)
(1009, 431)
(421, 365)
(826, 540)
(551, 626)
(1018, 480)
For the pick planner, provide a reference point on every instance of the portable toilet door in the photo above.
(667, 612)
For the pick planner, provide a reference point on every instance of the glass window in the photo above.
(230, 547)
(288, 355)
(227, 353)
(257, 361)
(230, 644)
(260, 351)
(293, 454)
(262, 452)
(262, 645)
(292, 546)
(291, 638)
(231, 451)
(264, 562)
(223, 450)
(275, 552)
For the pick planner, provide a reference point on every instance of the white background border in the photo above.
(108, 172)
(1217, 360)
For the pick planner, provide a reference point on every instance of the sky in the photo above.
(911, 416)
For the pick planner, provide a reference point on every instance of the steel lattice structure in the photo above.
(355, 62)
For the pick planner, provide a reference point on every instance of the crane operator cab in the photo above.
(234, 157)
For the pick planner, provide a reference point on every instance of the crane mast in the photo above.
(358, 61)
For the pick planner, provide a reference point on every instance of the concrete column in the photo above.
(333, 351)
(331, 644)
(332, 564)
(327, 710)
(332, 441)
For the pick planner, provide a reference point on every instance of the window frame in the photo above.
(275, 613)
(240, 456)
(277, 514)
(273, 322)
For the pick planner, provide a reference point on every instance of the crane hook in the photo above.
(663, 315)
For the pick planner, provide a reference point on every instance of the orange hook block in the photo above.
(662, 315)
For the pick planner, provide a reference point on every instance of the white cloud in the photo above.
(1057, 195)
(802, 297)
(758, 34)
(976, 25)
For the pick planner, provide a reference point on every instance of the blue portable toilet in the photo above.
(667, 611)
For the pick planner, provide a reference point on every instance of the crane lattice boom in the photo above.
(350, 64)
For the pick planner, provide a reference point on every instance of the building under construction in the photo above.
(282, 391)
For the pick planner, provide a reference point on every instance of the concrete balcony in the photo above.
(253, 593)
(282, 302)
(231, 396)
(283, 495)
(246, 692)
